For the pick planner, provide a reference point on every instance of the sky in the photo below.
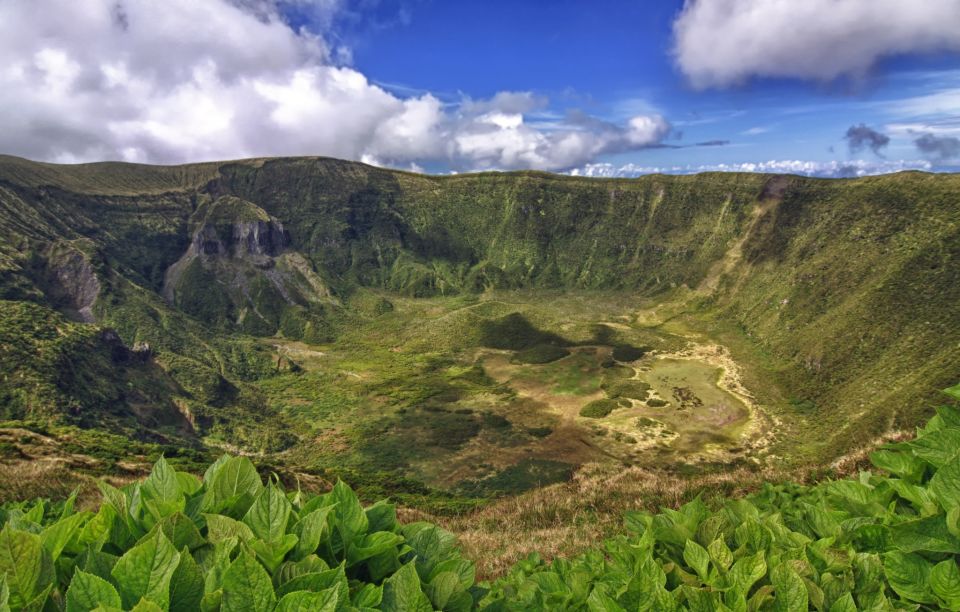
(598, 88)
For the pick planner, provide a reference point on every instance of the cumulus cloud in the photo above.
(827, 169)
(726, 42)
(187, 80)
(938, 147)
(860, 137)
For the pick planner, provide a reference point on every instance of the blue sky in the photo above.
(613, 58)
(609, 87)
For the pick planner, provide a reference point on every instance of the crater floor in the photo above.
(502, 393)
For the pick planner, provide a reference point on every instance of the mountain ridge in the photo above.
(848, 286)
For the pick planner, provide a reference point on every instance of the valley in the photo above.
(489, 421)
(522, 348)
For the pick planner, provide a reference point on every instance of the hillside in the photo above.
(336, 319)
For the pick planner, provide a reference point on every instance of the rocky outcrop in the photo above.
(240, 271)
(70, 281)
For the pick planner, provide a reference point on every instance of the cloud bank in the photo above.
(942, 148)
(189, 80)
(720, 43)
(860, 137)
(828, 169)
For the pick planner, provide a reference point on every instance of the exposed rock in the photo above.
(70, 281)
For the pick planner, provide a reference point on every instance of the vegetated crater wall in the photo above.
(850, 286)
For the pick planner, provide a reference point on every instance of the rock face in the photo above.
(239, 272)
(247, 239)
(70, 281)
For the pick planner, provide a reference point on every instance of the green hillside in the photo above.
(453, 341)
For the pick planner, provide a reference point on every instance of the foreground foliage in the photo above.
(882, 541)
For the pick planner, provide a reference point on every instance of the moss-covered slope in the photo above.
(849, 286)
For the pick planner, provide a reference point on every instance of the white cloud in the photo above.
(832, 169)
(187, 80)
(756, 131)
(726, 42)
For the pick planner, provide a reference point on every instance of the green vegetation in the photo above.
(631, 389)
(881, 541)
(625, 352)
(436, 339)
(540, 353)
(599, 408)
(228, 542)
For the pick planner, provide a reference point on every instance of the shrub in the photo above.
(599, 408)
(227, 542)
(885, 540)
(626, 352)
(541, 353)
(633, 389)
(881, 541)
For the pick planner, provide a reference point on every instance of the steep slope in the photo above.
(849, 287)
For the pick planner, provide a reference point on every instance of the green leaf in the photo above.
(908, 575)
(220, 527)
(720, 554)
(186, 584)
(96, 531)
(790, 592)
(4, 594)
(351, 520)
(369, 596)
(945, 484)
(697, 558)
(181, 531)
(930, 534)
(381, 516)
(305, 601)
(268, 515)
(210, 474)
(598, 601)
(899, 463)
(309, 531)
(235, 484)
(87, 591)
(145, 605)
(271, 554)
(27, 565)
(35, 514)
(945, 582)
(247, 587)
(145, 570)
(443, 588)
(747, 571)
(58, 535)
(318, 581)
(937, 448)
(371, 545)
(401, 592)
(161, 490)
(953, 392)
(844, 604)
(465, 570)
(922, 498)
(189, 484)
(430, 543)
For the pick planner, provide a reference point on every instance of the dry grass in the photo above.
(557, 520)
(564, 519)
